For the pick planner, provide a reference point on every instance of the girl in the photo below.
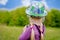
(35, 30)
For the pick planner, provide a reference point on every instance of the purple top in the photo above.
(26, 35)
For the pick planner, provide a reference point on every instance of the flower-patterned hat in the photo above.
(36, 9)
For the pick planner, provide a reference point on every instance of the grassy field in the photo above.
(12, 33)
(52, 33)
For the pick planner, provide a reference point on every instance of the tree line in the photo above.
(18, 17)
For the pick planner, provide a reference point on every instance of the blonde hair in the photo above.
(32, 35)
(32, 21)
(32, 32)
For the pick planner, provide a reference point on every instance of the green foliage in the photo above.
(4, 17)
(18, 17)
(15, 17)
(53, 18)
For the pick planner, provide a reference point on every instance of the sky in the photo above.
(11, 4)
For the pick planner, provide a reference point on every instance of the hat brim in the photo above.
(34, 14)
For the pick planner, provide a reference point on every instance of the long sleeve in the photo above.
(25, 35)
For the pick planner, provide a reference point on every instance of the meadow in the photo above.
(18, 17)
(13, 33)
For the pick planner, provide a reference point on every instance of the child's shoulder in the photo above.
(27, 27)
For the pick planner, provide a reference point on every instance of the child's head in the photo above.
(36, 11)
(33, 19)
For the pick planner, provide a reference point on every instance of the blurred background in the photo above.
(13, 18)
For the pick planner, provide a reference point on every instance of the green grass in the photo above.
(10, 33)
(13, 33)
(52, 33)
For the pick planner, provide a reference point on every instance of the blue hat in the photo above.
(36, 9)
